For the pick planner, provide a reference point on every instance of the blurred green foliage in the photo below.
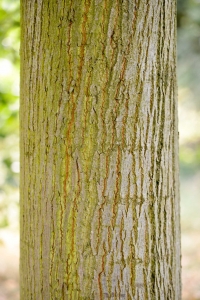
(188, 21)
(189, 47)
(9, 107)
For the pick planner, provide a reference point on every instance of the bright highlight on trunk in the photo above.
(99, 150)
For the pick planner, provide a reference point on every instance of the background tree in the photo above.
(99, 155)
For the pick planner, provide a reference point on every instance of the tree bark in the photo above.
(99, 150)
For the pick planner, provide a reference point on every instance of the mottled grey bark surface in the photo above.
(99, 150)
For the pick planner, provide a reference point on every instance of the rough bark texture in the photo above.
(99, 167)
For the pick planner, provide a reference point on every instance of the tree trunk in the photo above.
(99, 150)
